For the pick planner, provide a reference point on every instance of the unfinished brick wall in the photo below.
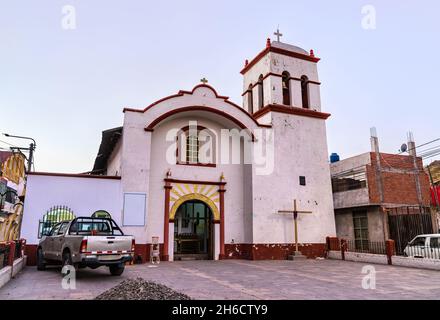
(398, 180)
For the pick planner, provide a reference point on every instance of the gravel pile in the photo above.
(140, 289)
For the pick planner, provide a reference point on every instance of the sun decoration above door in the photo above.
(182, 192)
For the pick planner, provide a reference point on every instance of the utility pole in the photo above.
(31, 156)
(31, 149)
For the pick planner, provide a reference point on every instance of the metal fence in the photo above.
(427, 247)
(52, 217)
(405, 223)
(374, 247)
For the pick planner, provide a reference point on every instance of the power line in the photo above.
(9, 144)
(422, 145)
(352, 170)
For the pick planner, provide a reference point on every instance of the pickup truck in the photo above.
(86, 242)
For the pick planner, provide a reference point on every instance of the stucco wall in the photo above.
(235, 216)
(300, 150)
(83, 195)
(144, 163)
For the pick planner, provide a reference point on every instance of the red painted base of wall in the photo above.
(259, 251)
(246, 251)
(31, 252)
(142, 253)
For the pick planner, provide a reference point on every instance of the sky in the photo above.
(63, 87)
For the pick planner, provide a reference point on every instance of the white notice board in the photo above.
(134, 209)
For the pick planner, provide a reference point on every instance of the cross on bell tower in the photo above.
(278, 34)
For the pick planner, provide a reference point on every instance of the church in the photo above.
(207, 178)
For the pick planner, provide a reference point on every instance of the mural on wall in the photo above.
(182, 192)
(12, 192)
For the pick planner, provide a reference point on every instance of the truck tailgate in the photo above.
(108, 244)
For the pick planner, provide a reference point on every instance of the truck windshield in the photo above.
(91, 226)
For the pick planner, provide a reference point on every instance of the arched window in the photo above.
(305, 91)
(260, 92)
(286, 88)
(196, 146)
(250, 99)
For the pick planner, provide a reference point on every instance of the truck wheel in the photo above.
(67, 261)
(116, 270)
(41, 264)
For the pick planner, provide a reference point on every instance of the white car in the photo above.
(424, 246)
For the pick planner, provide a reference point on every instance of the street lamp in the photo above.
(31, 149)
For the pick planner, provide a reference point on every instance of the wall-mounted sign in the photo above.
(134, 209)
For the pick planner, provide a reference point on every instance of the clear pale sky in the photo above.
(63, 87)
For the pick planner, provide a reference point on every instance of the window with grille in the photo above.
(53, 216)
(360, 225)
(196, 146)
(192, 149)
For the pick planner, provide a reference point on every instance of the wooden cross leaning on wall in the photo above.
(295, 217)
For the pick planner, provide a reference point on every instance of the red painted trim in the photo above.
(170, 180)
(291, 110)
(183, 92)
(252, 86)
(272, 251)
(222, 221)
(279, 51)
(201, 85)
(156, 121)
(153, 104)
(72, 175)
(208, 165)
(166, 221)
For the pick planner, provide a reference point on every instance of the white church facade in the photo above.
(208, 178)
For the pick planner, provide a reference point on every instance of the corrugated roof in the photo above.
(109, 139)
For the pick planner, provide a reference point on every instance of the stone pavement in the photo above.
(239, 279)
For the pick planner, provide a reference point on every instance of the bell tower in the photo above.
(281, 89)
(283, 75)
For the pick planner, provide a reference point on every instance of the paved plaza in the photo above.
(239, 279)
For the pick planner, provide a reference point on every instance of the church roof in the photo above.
(109, 139)
(284, 49)
(288, 47)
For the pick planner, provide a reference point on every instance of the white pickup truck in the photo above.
(86, 242)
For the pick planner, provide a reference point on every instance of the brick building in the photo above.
(371, 189)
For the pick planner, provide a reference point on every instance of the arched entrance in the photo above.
(193, 231)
